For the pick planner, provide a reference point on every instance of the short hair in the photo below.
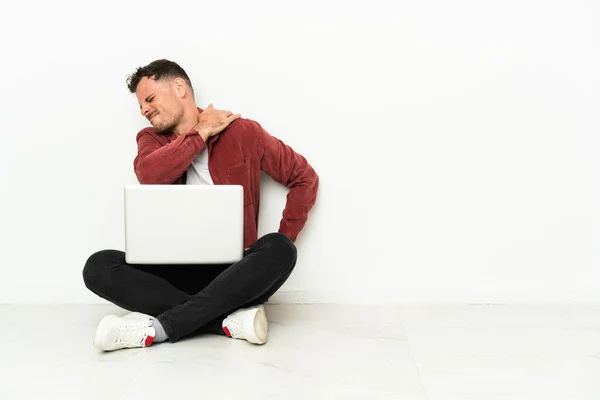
(158, 70)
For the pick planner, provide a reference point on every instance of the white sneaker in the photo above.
(132, 330)
(249, 324)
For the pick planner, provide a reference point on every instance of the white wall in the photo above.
(457, 142)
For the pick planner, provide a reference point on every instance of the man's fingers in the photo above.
(233, 117)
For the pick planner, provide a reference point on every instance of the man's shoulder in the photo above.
(242, 129)
(243, 124)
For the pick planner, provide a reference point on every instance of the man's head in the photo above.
(164, 92)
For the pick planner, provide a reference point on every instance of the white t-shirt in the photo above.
(197, 173)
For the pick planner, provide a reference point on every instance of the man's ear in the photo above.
(180, 87)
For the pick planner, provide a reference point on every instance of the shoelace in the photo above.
(133, 334)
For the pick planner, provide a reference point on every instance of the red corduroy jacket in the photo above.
(235, 157)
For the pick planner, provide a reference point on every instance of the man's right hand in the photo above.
(212, 121)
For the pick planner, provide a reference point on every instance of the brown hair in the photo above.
(159, 69)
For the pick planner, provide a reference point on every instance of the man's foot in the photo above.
(132, 330)
(249, 324)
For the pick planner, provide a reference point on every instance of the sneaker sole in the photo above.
(101, 331)
(258, 321)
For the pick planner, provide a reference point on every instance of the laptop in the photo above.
(184, 224)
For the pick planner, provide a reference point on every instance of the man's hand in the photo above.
(212, 121)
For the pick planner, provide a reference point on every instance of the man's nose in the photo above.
(145, 110)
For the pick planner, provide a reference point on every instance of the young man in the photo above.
(188, 145)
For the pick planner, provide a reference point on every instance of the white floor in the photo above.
(315, 352)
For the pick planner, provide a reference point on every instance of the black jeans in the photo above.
(188, 300)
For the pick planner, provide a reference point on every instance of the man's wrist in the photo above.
(203, 134)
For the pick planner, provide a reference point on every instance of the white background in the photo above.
(456, 141)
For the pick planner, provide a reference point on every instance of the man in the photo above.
(188, 145)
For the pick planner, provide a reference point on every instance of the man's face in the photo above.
(159, 104)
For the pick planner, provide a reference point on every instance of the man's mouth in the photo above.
(152, 117)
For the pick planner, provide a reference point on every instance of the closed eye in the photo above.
(149, 99)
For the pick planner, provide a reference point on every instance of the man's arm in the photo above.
(158, 164)
(292, 170)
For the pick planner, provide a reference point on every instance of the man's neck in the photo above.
(188, 121)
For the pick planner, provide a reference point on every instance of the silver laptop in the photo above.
(184, 224)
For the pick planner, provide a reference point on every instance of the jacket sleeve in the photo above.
(156, 163)
(292, 170)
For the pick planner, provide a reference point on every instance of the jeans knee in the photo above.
(95, 268)
(90, 270)
(283, 247)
